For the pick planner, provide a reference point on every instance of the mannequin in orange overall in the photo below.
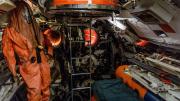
(22, 37)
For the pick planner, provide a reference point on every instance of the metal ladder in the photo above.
(73, 72)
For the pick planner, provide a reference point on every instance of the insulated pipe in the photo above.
(165, 65)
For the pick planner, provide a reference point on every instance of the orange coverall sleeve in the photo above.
(8, 51)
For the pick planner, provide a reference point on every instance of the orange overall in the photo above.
(19, 38)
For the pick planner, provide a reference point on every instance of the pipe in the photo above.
(162, 64)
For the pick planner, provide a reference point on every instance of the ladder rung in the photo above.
(74, 25)
(76, 74)
(73, 58)
(81, 88)
(79, 41)
(54, 85)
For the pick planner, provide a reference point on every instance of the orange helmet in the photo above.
(54, 37)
